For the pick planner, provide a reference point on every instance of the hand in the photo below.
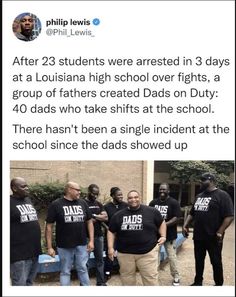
(51, 252)
(219, 237)
(161, 240)
(111, 254)
(90, 246)
(185, 232)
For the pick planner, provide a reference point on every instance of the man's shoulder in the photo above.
(108, 204)
(57, 201)
(154, 201)
(173, 201)
(148, 208)
(82, 201)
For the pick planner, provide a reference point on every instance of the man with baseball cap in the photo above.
(212, 213)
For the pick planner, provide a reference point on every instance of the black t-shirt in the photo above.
(112, 208)
(25, 233)
(96, 208)
(136, 230)
(70, 218)
(209, 211)
(168, 208)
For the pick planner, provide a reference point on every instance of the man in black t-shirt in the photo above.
(212, 212)
(139, 231)
(25, 235)
(99, 215)
(73, 222)
(111, 208)
(170, 211)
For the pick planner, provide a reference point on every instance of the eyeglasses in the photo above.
(76, 189)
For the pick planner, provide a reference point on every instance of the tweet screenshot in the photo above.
(115, 80)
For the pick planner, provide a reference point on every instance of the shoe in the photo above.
(196, 284)
(175, 282)
(107, 275)
(102, 284)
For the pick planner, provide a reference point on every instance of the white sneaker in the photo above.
(175, 282)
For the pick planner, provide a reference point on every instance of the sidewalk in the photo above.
(186, 267)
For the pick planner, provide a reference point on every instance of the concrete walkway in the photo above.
(186, 267)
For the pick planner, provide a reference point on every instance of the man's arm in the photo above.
(102, 217)
(162, 232)
(110, 244)
(172, 222)
(225, 224)
(185, 226)
(90, 246)
(48, 236)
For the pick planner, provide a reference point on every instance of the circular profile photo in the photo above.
(26, 26)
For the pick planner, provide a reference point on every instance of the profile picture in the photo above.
(26, 26)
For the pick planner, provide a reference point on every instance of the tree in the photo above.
(190, 171)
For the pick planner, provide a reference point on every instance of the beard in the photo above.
(163, 196)
(204, 187)
(92, 199)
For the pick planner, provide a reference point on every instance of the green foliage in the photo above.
(187, 171)
(42, 195)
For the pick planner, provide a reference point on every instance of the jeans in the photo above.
(98, 254)
(24, 272)
(214, 249)
(77, 256)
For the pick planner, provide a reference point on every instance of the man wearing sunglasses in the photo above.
(212, 213)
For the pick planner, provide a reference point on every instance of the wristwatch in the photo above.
(219, 234)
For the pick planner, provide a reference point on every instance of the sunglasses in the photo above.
(76, 189)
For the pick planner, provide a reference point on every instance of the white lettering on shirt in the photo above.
(163, 210)
(202, 204)
(132, 222)
(73, 214)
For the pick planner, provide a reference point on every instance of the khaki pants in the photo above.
(170, 247)
(147, 264)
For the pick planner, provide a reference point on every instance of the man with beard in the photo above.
(212, 212)
(25, 235)
(170, 211)
(111, 208)
(99, 215)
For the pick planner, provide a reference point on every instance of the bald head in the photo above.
(72, 191)
(19, 187)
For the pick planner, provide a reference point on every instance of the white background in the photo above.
(128, 29)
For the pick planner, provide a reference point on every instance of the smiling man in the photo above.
(170, 211)
(139, 230)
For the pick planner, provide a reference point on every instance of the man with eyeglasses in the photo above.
(73, 221)
(99, 215)
(212, 213)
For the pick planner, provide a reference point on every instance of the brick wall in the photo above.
(127, 175)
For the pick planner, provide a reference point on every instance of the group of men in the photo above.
(134, 233)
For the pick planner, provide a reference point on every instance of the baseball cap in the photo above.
(208, 176)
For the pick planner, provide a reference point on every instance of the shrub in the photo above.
(42, 195)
